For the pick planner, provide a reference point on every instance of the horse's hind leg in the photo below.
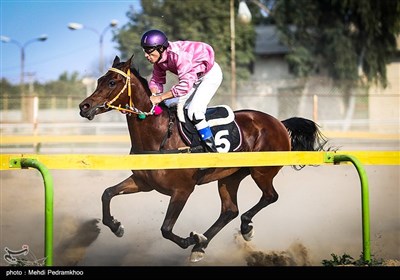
(227, 188)
(125, 187)
(263, 176)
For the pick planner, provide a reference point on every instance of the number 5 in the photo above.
(223, 144)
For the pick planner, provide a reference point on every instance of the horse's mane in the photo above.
(141, 79)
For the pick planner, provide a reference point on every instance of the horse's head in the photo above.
(111, 90)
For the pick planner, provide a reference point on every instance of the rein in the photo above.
(129, 108)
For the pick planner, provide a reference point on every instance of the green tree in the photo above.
(196, 20)
(342, 36)
(66, 85)
(10, 95)
(350, 41)
(8, 89)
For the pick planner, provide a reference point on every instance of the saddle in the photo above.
(227, 134)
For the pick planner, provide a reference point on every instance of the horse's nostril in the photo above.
(84, 106)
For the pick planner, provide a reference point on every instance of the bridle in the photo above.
(129, 108)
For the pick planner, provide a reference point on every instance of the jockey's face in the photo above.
(152, 55)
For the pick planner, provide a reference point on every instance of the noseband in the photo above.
(129, 108)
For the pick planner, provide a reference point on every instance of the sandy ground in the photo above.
(318, 213)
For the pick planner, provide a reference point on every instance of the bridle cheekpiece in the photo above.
(129, 108)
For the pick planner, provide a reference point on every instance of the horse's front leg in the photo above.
(176, 204)
(227, 188)
(125, 187)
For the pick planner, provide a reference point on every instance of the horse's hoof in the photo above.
(196, 256)
(120, 231)
(248, 236)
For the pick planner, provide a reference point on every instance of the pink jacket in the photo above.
(188, 60)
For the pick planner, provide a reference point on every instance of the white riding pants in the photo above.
(197, 100)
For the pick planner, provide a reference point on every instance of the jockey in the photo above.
(199, 78)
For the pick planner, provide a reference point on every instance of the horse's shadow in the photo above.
(72, 250)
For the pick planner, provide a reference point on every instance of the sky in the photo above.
(65, 50)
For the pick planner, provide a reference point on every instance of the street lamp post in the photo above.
(77, 26)
(233, 54)
(22, 47)
(244, 16)
(27, 104)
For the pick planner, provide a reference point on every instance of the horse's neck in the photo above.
(148, 134)
(139, 92)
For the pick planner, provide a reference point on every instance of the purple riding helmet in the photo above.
(154, 39)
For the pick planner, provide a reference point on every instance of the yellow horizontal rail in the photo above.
(196, 160)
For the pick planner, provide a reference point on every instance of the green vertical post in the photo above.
(48, 206)
(364, 200)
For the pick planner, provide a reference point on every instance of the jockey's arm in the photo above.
(156, 99)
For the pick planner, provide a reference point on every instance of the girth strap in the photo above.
(169, 131)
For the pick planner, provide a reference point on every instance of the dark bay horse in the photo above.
(123, 89)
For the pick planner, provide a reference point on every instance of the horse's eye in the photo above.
(111, 83)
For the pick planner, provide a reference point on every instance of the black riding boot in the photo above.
(210, 142)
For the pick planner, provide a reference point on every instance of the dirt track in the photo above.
(318, 213)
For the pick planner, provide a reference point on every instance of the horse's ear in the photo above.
(130, 59)
(116, 61)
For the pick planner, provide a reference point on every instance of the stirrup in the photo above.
(210, 144)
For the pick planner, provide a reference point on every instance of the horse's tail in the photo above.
(305, 135)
